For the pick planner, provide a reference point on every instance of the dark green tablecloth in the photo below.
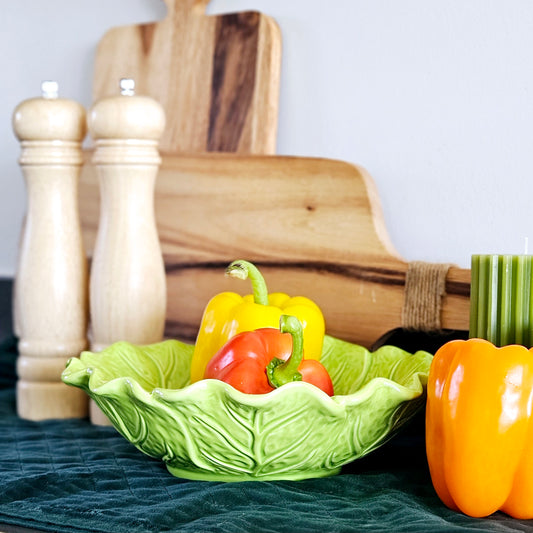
(69, 476)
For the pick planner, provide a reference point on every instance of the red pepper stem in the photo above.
(279, 371)
(243, 270)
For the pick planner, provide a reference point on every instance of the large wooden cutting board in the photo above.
(313, 226)
(217, 77)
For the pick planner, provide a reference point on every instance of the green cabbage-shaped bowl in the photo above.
(210, 431)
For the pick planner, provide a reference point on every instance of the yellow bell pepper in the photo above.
(228, 313)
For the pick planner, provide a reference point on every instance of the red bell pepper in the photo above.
(257, 362)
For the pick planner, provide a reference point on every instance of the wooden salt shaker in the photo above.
(127, 283)
(51, 288)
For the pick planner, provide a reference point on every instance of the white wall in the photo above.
(433, 97)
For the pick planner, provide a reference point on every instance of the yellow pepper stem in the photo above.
(242, 269)
(280, 372)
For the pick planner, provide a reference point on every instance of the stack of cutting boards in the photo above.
(314, 226)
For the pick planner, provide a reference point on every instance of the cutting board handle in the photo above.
(216, 76)
(185, 7)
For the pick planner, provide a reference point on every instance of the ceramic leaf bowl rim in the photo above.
(189, 461)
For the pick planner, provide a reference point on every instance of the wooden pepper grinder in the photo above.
(50, 300)
(128, 284)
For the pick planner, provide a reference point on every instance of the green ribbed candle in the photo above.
(501, 304)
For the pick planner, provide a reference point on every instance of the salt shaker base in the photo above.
(98, 418)
(45, 401)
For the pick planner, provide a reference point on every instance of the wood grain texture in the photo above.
(217, 77)
(313, 226)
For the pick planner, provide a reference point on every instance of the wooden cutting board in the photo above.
(313, 226)
(217, 77)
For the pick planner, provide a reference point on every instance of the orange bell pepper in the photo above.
(479, 427)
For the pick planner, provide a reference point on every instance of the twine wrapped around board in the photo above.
(425, 285)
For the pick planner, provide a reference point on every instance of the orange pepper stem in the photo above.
(241, 269)
(280, 372)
